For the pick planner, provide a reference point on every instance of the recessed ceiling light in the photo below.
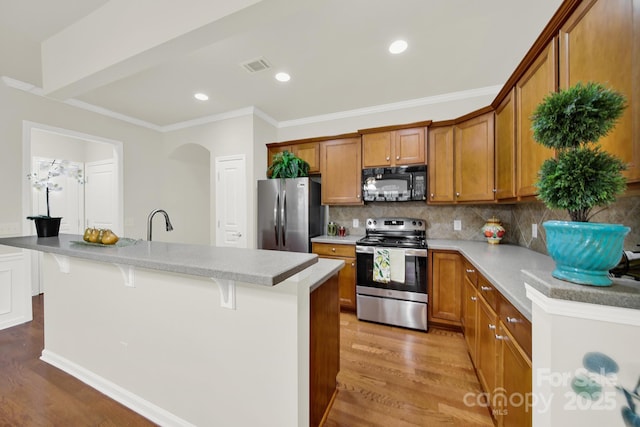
(201, 96)
(398, 46)
(283, 77)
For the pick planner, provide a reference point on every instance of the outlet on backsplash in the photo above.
(457, 225)
(534, 231)
(356, 223)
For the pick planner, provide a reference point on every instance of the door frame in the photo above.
(27, 200)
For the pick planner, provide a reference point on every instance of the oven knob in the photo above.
(414, 223)
(420, 223)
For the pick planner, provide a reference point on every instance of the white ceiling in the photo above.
(335, 51)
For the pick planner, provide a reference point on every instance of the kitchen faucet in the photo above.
(150, 219)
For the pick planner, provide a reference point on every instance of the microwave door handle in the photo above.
(276, 208)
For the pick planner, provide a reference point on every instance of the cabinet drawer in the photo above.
(488, 292)
(516, 323)
(334, 250)
(470, 272)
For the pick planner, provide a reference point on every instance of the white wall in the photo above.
(339, 123)
(146, 165)
(223, 138)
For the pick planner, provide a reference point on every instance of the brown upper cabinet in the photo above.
(505, 147)
(598, 43)
(537, 82)
(393, 148)
(341, 169)
(474, 152)
(461, 159)
(307, 151)
(441, 158)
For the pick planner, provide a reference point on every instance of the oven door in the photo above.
(414, 286)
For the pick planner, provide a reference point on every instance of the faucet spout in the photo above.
(150, 222)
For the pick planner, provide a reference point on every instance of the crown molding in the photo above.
(383, 108)
(248, 111)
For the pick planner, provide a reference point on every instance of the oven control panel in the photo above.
(395, 224)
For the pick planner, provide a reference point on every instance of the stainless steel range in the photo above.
(392, 272)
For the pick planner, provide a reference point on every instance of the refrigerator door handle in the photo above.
(283, 221)
(276, 208)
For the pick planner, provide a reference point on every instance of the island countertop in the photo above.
(261, 267)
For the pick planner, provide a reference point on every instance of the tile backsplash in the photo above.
(516, 219)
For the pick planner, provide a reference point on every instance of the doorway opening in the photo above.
(83, 204)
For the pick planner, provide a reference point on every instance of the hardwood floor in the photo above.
(34, 393)
(389, 377)
(397, 377)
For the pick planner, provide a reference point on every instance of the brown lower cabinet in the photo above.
(324, 349)
(498, 337)
(444, 288)
(347, 276)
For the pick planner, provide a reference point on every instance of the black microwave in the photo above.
(397, 184)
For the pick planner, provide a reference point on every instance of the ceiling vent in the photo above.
(256, 65)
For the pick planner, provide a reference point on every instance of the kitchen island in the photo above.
(192, 334)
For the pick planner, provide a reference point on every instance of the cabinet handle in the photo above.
(397, 157)
(513, 320)
(486, 288)
(495, 190)
(357, 196)
(470, 270)
(492, 327)
(500, 337)
(388, 157)
(333, 249)
(457, 194)
(353, 264)
(474, 298)
(432, 195)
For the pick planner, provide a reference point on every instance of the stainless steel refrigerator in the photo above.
(289, 214)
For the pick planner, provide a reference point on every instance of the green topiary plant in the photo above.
(582, 176)
(287, 165)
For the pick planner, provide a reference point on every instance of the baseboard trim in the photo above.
(132, 401)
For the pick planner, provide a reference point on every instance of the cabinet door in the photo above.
(310, 153)
(505, 147)
(474, 152)
(347, 279)
(445, 293)
(341, 168)
(535, 84)
(470, 315)
(440, 164)
(595, 45)
(376, 149)
(409, 146)
(515, 380)
(486, 356)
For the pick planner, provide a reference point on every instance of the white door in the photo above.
(67, 203)
(231, 201)
(101, 195)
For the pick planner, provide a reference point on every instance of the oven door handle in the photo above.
(420, 253)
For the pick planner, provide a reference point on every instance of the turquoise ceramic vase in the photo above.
(584, 252)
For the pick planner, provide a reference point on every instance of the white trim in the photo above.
(110, 113)
(583, 310)
(383, 108)
(14, 256)
(248, 111)
(114, 391)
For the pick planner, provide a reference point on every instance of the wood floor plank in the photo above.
(389, 377)
(398, 377)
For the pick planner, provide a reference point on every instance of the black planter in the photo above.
(46, 226)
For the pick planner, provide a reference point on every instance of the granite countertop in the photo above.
(337, 240)
(507, 267)
(255, 266)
